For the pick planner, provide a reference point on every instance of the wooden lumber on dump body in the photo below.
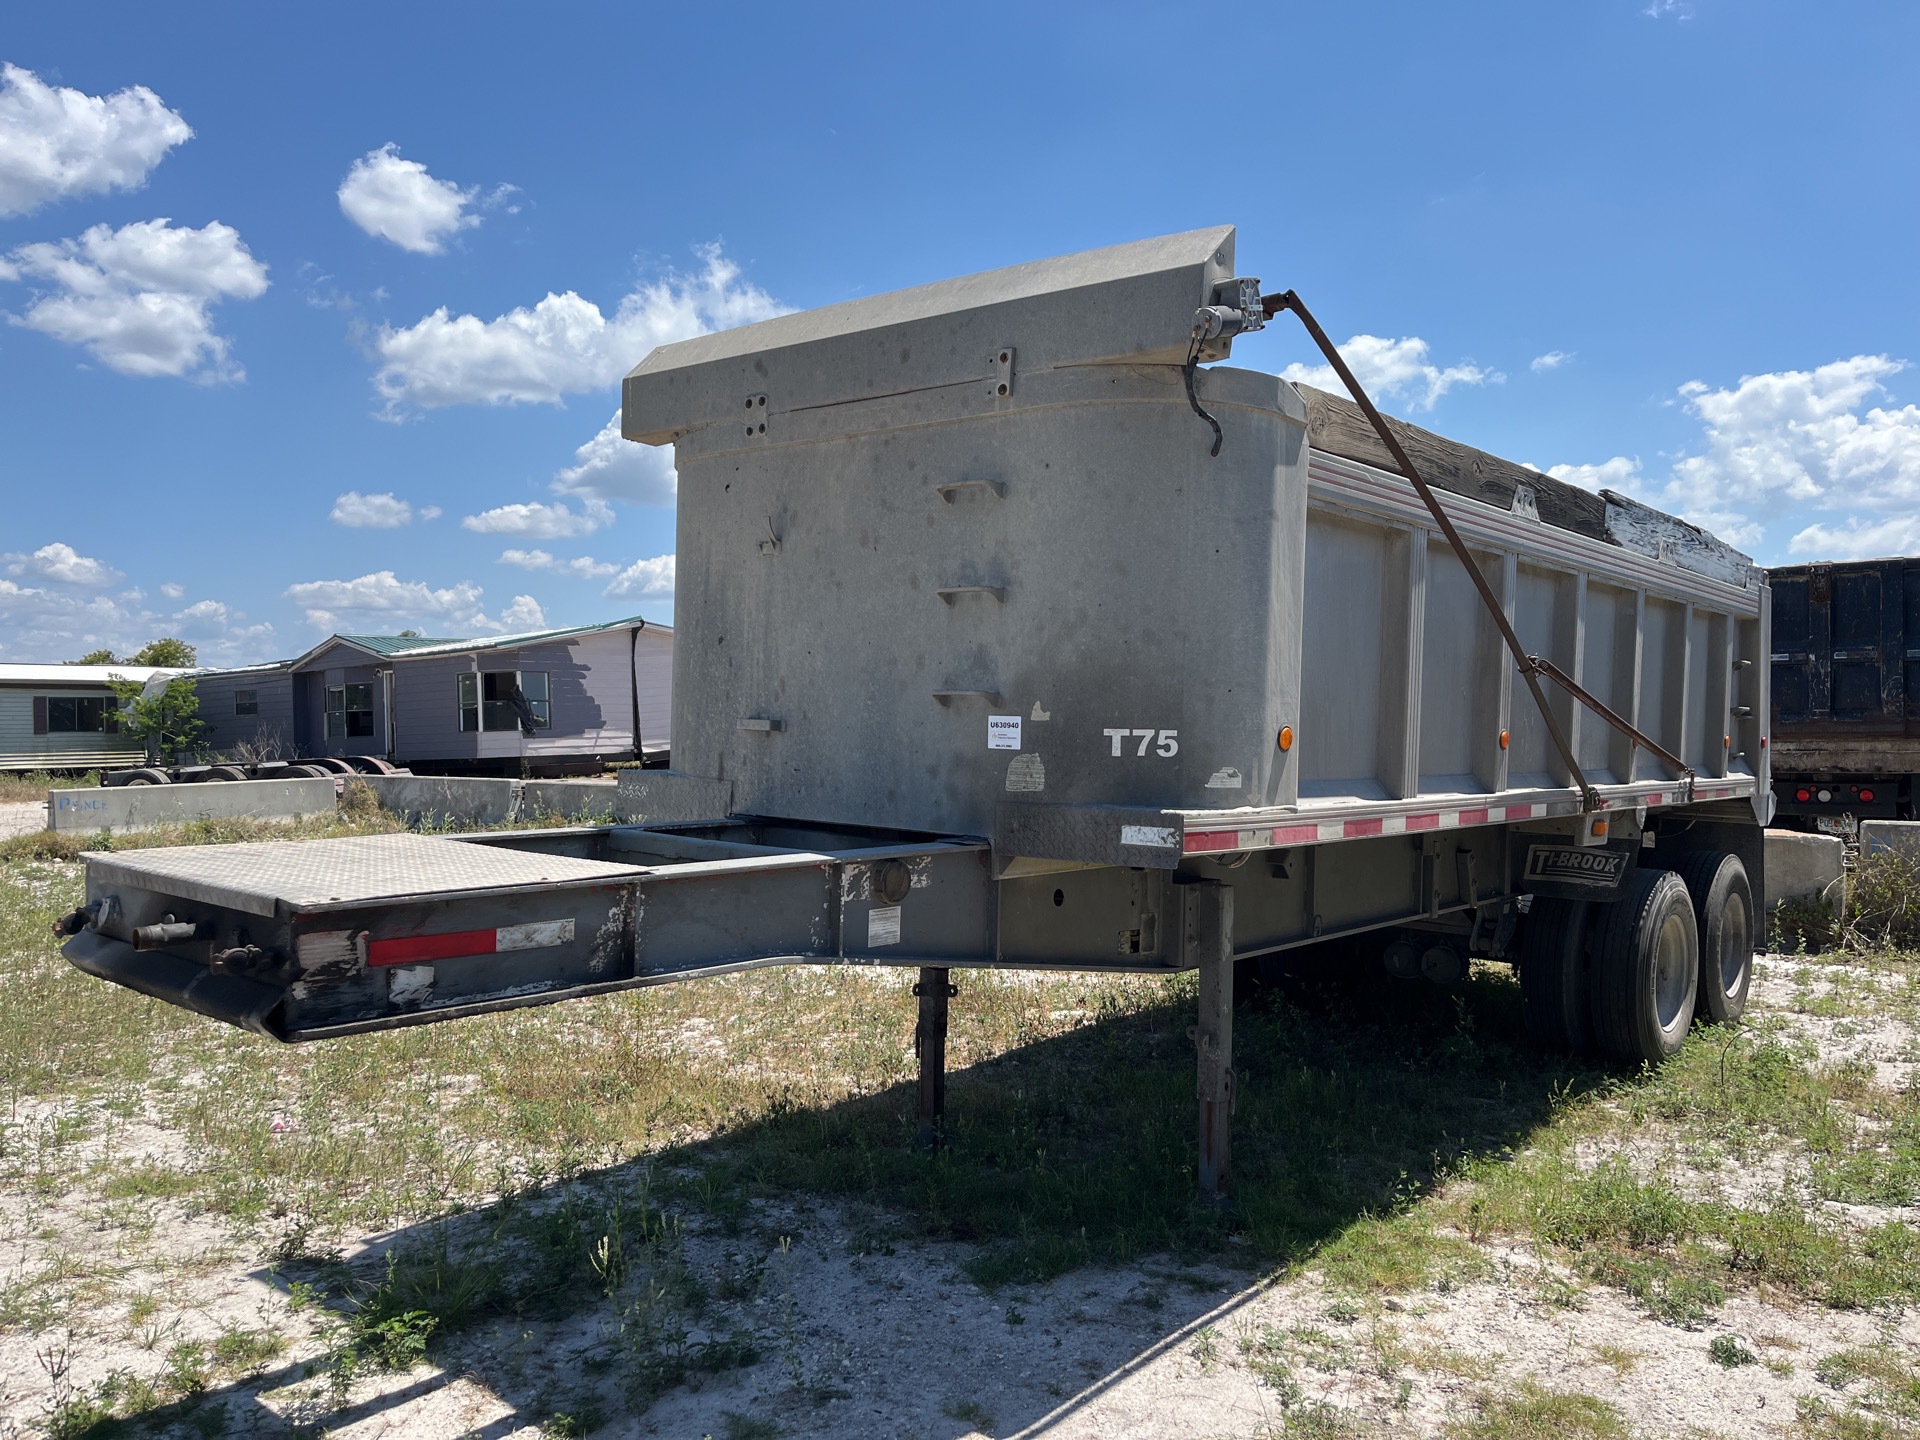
(1335, 426)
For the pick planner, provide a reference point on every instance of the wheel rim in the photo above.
(1736, 946)
(1671, 967)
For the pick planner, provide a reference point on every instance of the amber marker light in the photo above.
(1503, 739)
(1286, 737)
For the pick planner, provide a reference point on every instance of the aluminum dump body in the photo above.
(958, 560)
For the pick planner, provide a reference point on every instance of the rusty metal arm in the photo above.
(1531, 667)
(1544, 666)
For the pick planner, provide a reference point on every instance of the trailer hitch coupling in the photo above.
(171, 932)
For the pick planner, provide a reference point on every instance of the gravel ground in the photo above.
(861, 1334)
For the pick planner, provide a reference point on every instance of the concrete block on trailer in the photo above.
(1891, 837)
(1805, 867)
(665, 797)
(143, 807)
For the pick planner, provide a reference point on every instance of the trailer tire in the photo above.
(1554, 984)
(372, 765)
(1723, 909)
(1646, 969)
(328, 765)
(304, 771)
(226, 772)
(148, 776)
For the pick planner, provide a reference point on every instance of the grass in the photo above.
(19, 787)
(542, 1161)
(1531, 1413)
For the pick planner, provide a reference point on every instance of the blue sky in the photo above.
(280, 354)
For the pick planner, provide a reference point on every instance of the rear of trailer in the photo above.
(1014, 631)
(1846, 691)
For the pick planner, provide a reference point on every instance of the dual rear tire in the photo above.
(1627, 979)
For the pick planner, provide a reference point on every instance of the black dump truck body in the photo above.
(1846, 690)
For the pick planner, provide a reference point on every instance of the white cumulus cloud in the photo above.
(397, 200)
(608, 467)
(50, 623)
(172, 591)
(384, 603)
(139, 298)
(372, 512)
(583, 566)
(1784, 441)
(645, 580)
(1552, 360)
(538, 520)
(1858, 540)
(562, 345)
(56, 143)
(523, 614)
(1393, 369)
(62, 564)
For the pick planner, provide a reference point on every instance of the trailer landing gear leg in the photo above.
(930, 1044)
(1207, 938)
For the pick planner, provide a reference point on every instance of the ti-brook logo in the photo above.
(1600, 869)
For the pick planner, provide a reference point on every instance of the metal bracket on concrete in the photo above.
(997, 592)
(1000, 373)
(997, 488)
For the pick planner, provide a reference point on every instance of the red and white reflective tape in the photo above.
(457, 944)
(1322, 832)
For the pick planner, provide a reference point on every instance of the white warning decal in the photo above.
(1225, 778)
(1158, 836)
(1003, 732)
(883, 925)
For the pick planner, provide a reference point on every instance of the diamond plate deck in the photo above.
(304, 873)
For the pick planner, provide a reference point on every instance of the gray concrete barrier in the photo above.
(1805, 867)
(569, 799)
(480, 800)
(141, 807)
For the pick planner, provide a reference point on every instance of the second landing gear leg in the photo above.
(1207, 945)
(930, 1044)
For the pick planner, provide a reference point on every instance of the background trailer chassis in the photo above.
(1010, 634)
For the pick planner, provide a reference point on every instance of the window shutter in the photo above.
(39, 714)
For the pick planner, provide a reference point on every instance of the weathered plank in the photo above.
(1337, 426)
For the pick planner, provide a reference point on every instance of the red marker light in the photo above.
(1803, 796)
(1867, 795)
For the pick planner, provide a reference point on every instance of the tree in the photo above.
(165, 653)
(166, 717)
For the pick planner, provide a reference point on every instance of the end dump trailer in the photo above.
(1846, 690)
(1014, 631)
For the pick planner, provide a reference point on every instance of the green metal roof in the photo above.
(394, 644)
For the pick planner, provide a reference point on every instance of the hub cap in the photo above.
(1671, 967)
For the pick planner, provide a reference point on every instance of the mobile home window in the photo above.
(349, 711)
(77, 714)
(246, 702)
(487, 699)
